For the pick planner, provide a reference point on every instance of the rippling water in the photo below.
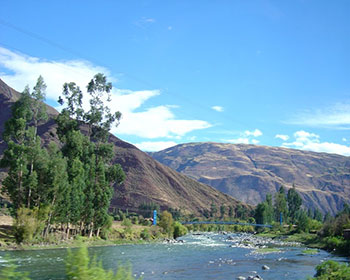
(205, 256)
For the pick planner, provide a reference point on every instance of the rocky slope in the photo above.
(249, 172)
(146, 179)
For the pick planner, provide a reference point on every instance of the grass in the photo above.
(310, 251)
(267, 250)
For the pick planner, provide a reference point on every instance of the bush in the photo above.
(127, 222)
(331, 270)
(166, 223)
(29, 223)
(10, 273)
(179, 230)
(80, 267)
(145, 235)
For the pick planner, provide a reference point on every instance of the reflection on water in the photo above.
(205, 256)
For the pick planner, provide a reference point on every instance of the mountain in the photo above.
(249, 172)
(146, 179)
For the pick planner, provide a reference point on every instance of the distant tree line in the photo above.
(287, 208)
(66, 184)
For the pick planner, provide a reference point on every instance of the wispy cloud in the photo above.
(145, 22)
(282, 136)
(18, 70)
(336, 116)
(246, 137)
(310, 141)
(254, 133)
(155, 146)
(218, 108)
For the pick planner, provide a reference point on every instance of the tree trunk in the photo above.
(91, 230)
(67, 234)
(98, 232)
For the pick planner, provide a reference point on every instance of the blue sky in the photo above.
(262, 72)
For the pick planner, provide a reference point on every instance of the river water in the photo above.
(201, 256)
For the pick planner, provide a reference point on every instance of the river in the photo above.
(200, 256)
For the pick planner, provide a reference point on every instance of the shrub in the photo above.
(29, 223)
(79, 266)
(127, 222)
(179, 230)
(166, 223)
(145, 235)
(331, 270)
(10, 273)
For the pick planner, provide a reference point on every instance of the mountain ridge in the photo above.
(322, 179)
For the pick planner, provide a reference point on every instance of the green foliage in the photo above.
(29, 223)
(73, 181)
(166, 223)
(80, 267)
(303, 221)
(9, 273)
(179, 230)
(127, 222)
(294, 202)
(280, 205)
(145, 234)
(213, 209)
(331, 270)
(147, 209)
(264, 211)
(222, 211)
(231, 211)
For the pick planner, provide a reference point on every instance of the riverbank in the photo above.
(119, 234)
(335, 245)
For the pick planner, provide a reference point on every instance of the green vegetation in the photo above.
(310, 251)
(331, 270)
(79, 266)
(65, 187)
(267, 250)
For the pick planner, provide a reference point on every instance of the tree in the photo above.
(280, 204)
(318, 215)
(294, 202)
(230, 211)
(24, 155)
(303, 221)
(269, 208)
(166, 222)
(91, 174)
(213, 209)
(222, 211)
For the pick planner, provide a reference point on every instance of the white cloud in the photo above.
(336, 116)
(25, 70)
(247, 137)
(218, 108)
(311, 142)
(239, 141)
(153, 122)
(155, 146)
(282, 136)
(254, 133)
(344, 139)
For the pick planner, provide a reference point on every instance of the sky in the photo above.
(261, 72)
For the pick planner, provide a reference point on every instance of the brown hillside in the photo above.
(146, 179)
(249, 172)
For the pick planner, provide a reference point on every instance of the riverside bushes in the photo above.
(79, 266)
(331, 270)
